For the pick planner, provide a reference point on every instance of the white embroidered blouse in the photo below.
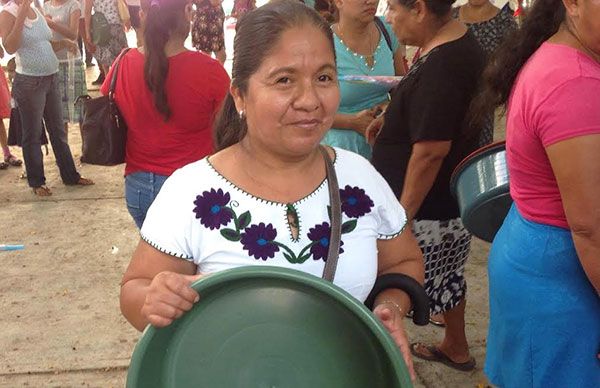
(201, 216)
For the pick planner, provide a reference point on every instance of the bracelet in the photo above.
(395, 305)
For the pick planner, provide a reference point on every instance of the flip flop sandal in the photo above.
(437, 323)
(42, 191)
(13, 161)
(3, 165)
(82, 182)
(438, 356)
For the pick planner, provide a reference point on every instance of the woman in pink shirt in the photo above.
(544, 266)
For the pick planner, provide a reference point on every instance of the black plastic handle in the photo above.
(416, 292)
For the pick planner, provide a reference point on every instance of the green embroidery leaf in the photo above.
(231, 235)
(289, 257)
(349, 226)
(303, 258)
(329, 212)
(244, 220)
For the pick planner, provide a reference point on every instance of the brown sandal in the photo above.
(42, 191)
(81, 182)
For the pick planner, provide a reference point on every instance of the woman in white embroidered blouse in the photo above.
(262, 198)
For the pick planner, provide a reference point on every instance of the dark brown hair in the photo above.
(256, 35)
(163, 19)
(542, 21)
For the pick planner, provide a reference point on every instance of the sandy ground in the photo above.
(61, 324)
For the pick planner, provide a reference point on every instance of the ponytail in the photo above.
(156, 66)
(229, 128)
(163, 19)
(541, 23)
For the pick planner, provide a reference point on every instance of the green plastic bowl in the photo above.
(269, 327)
(480, 184)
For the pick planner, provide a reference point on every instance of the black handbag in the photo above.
(103, 130)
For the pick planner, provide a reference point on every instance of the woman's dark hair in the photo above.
(163, 19)
(542, 21)
(257, 33)
(438, 7)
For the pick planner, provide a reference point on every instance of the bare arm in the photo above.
(70, 31)
(576, 166)
(400, 255)
(11, 28)
(87, 16)
(155, 287)
(423, 167)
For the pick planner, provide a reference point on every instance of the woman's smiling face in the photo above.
(292, 98)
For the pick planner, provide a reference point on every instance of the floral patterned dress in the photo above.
(207, 27)
(202, 217)
(489, 35)
(241, 7)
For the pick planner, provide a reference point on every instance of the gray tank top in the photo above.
(35, 57)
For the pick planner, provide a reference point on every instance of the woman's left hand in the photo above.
(392, 321)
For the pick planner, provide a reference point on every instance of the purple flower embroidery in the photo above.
(320, 236)
(258, 241)
(355, 203)
(210, 208)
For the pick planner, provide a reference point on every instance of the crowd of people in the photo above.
(225, 171)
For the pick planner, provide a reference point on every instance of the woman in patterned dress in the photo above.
(107, 53)
(425, 135)
(490, 25)
(207, 29)
(63, 19)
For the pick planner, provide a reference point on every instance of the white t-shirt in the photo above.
(202, 217)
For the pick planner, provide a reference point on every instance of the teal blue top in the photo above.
(356, 97)
(310, 3)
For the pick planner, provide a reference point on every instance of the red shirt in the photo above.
(196, 85)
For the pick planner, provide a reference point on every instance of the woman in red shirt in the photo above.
(168, 97)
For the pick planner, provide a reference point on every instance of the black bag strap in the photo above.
(336, 218)
(384, 32)
(113, 80)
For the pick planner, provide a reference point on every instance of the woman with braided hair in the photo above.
(544, 271)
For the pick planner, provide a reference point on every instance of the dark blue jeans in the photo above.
(141, 188)
(37, 98)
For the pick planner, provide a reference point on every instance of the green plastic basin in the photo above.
(480, 184)
(268, 327)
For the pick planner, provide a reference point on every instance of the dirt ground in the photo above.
(61, 324)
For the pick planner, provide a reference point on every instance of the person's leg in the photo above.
(4, 145)
(53, 116)
(30, 99)
(455, 343)
(138, 195)
(445, 246)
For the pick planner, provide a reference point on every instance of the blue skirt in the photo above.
(544, 313)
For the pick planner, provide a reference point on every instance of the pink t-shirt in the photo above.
(556, 97)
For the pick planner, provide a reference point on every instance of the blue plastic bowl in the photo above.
(480, 184)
